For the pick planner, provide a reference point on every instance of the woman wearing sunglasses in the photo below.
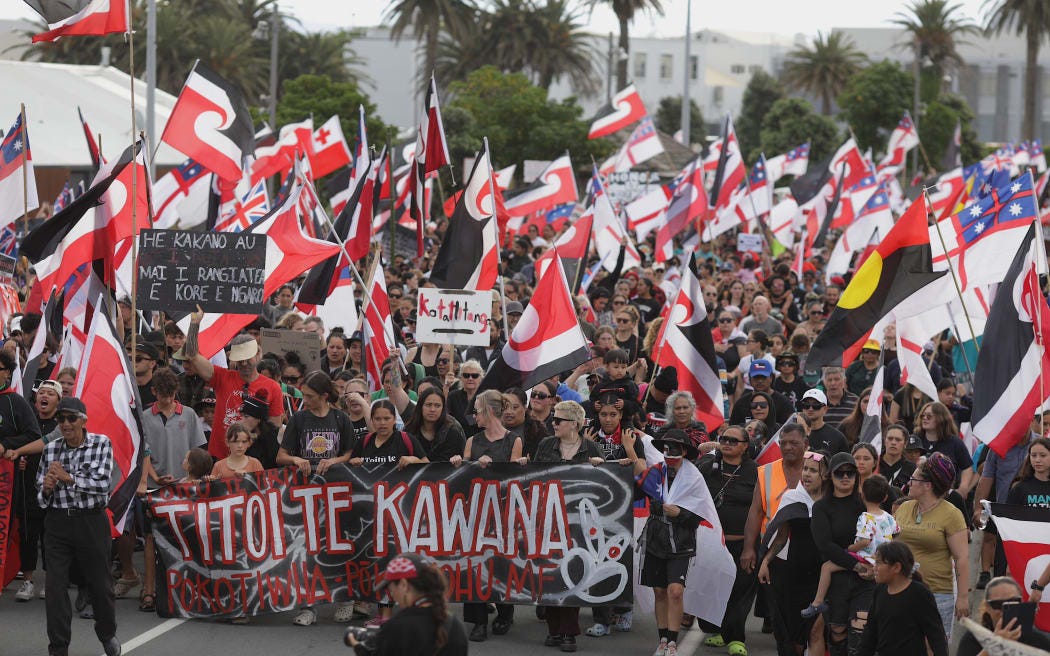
(1001, 590)
(834, 529)
(937, 534)
(460, 400)
(731, 476)
(541, 404)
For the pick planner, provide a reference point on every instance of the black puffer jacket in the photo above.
(671, 537)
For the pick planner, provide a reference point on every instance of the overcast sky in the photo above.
(789, 18)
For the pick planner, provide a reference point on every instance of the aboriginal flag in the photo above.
(900, 266)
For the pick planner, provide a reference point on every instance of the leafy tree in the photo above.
(792, 121)
(1032, 17)
(625, 11)
(938, 126)
(874, 101)
(763, 90)
(541, 128)
(825, 69)
(935, 29)
(320, 97)
(669, 118)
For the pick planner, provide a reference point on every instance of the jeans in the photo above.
(946, 607)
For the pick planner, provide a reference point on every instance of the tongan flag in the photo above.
(1023, 531)
(210, 123)
(626, 108)
(689, 347)
(1007, 388)
(556, 185)
(106, 387)
(468, 258)
(17, 178)
(898, 267)
(546, 341)
(871, 428)
(330, 151)
(97, 17)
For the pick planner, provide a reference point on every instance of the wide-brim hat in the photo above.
(678, 438)
(244, 351)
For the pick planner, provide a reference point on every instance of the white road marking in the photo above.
(155, 632)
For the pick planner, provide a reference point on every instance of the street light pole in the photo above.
(685, 74)
(609, 71)
(151, 82)
(275, 26)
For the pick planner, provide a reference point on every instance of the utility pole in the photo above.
(915, 106)
(686, 105)
(609, 71)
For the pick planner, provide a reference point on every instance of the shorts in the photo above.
(990, 528)
(661, 572)
(138, 521)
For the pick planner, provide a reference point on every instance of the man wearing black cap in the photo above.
(665, 383)
(146, 356)
(73, 485)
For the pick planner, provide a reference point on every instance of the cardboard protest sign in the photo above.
(749, 243)
(550, 534)
(220, 271)
(306, 345)
(453, 316)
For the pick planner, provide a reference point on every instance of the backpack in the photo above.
(404, 439)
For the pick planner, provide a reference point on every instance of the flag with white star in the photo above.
(16, 161)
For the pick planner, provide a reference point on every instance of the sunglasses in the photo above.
(619, 303)
(997, 604)
(722, 439)
(845, 473)
(759, 406)
(542, 396)
(558, 420)
(814, 456)
(725, 320)
(442, 361)
(290, 379)
(869, 352)
(66, 419)
(621, 320)
(142, 358)
(811, 406)
(468, 374)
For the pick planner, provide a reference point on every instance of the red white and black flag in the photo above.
(688, 346)
(1007, 389)
(89, 136)
(76, 18)
(626, 109)
(554, 186)
(210, 123)
(1023, 530)
(468, 258)
(431, 155)
(546, 341)
(571, 247)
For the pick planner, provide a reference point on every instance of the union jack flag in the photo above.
(247, 210)
(9, 241)
(65, 197)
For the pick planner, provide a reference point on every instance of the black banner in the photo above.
(556, 535)
(220, 271)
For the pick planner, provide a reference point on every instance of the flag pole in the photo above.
(951, 272)
(25, 170)
(1040, 264)
(134, 196)
(495, 228)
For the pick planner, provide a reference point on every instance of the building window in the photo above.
(666, 66)
(987, 84)
(717, 94)
(737, 69)
(754, 68)
(639, 64)
(694, 67)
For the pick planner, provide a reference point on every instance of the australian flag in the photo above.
(1008, 207)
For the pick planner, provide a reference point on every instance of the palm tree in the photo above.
(563, 49)
(427, 19)
(824, 69)
(625, 11)
(935, 31)
(1032, 17)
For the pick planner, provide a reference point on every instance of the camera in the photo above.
(365, 636)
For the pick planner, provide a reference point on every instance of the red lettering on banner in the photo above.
(519, 580)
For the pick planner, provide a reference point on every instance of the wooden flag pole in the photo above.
(495, 229)
(1040, 268)
(951, 272)
(134, 200)
(25, 170)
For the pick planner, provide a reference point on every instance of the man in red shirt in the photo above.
(233, 385)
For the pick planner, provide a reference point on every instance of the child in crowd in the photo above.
(196, 464)
(238, 463)
(903, 619)
(618, 384)
(875, 526)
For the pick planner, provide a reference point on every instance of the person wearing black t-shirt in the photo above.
(821, 436)
(1032, 488)
(893, 466)
(320, 435)
(441, 435)
(731, 477)
(422, 626)
(385, 446)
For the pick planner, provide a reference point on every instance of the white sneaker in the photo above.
(43, 593)
(25, 592)
(672, 649)
(661, 649)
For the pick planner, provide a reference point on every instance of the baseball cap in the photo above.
(840, 460)
(52, 385)
(514, 307)
(403, 566)
(872, 345)
(72, 404)
(760, 368)
(914, 443)
(817, 395)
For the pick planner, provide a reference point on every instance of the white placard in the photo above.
(453, 316)
(749, 242)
